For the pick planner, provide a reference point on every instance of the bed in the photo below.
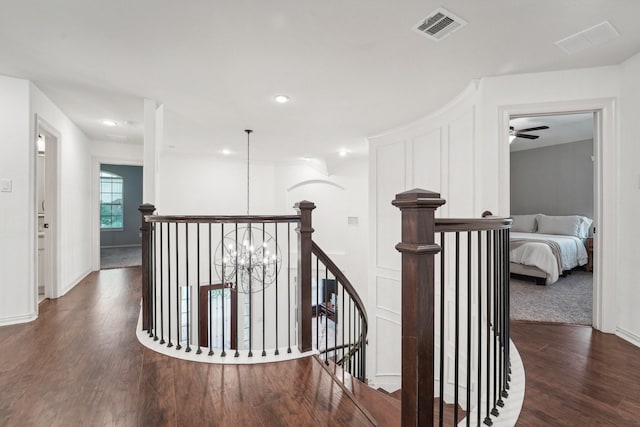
(545, 248)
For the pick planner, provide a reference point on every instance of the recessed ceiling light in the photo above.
(343, 153)
(108, 122)
(226, 152)
(281, 99)
(306, 159)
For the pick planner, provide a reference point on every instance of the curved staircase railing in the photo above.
(342, 338)
(248, 287)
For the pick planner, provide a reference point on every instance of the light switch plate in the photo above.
(6, 185)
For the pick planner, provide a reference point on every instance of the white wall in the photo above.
(338, 195)
(212, 185)
(628, 293)
(17, 208)
(437, 153)
(20, 102)
(74, 193)
(116, 152)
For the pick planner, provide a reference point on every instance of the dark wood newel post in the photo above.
(145, 209)
(418, 249)
(304, 274)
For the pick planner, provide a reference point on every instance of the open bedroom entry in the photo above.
(120, 196)
(552, 205)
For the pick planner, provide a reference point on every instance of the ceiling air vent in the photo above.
(439, 24)
(593, 36)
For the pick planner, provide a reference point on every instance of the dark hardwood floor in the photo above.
(577, 376)
(80, 364)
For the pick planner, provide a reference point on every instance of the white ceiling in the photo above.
(352, 68)
(563, 129)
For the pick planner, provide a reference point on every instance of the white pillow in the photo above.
(585, 225)
(567, 225)
(524, 223)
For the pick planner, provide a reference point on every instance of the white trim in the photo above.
(628, 336)
(606, 195)
(14, 320)
(513, 404)
(229, 359)
(73, 284)
(52, 242)
(96, 162)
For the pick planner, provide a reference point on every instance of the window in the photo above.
(111, 201)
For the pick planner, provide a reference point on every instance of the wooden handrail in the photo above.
(238, 219)
(471, 224)
(342, 279)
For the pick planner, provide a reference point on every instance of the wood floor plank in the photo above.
(577, 376)
(80, 364)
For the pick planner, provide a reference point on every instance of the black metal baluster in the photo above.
(162, 341)
(209, 303)
(343, 306)
(456, 359)
(288, 288)
(317, 308)
(351, 338)
(508, 310)
(151, 287)
(224, 287)
(250, 274)
(264, 314)
(326, 316)
(468, 417)
(494, 410)
(500, 322)
(335, 324)
(188, 286)
(237, 353)
(178, 293)
(479, 364)
(442, 305)
(199, 350)
(487, 419)
(277, 352)
(170, 344)
(155, 281)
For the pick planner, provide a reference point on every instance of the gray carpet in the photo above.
(569, 300)
(120, 257)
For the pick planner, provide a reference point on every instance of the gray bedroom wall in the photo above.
(132, 176)
(556, 180)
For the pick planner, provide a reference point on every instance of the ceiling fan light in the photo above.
(511, 138)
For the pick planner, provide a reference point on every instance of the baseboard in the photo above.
(14, 320)
(74, 283)
(628, 336)
(137, 245)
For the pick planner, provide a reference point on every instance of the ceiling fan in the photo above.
(520, 133)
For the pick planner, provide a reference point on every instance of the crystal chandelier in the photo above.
(248, 256)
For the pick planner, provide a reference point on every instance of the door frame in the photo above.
(96, 163)
(52, 212)
(605, 191)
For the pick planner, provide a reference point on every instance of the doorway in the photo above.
(605, 194)
(552, 204)
(120, 189)
(46, 209)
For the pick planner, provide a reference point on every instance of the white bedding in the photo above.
(572, 250)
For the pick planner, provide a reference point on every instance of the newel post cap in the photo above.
(304, 205)
(418, 198)
(146, 208)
